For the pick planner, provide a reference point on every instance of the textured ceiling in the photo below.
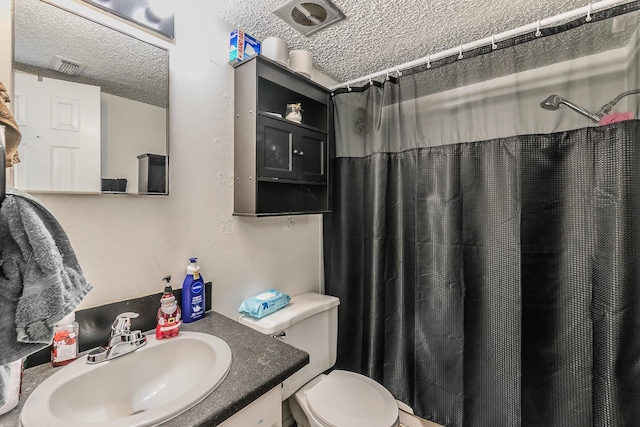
(376, 35)
(119, 64)
(379, 34)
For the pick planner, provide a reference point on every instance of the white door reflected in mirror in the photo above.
(60, 125)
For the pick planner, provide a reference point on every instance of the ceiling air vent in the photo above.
(66, 66)
(309, 17)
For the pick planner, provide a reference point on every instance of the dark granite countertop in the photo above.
(259, 363)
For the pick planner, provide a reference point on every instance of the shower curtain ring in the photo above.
(538, 33)
(398, 70)
(348, 88)
(494, 46)
(370, 81)
(387, 77)
(429, 61)
(460, 56)
(588, 19)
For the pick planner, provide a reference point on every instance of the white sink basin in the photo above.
(147, 387)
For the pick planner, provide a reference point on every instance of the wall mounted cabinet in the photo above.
(280, 166)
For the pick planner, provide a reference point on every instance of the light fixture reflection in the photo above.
(161, 9)
(155, 15)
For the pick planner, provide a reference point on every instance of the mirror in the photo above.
(91, 103)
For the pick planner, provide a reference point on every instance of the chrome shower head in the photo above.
(552, 103)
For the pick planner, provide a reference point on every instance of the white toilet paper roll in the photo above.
(276, 49)
(301, 62)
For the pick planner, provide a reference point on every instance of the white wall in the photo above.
(6, 54)
(126, 244)
(6, 45)
(633, 73)
(129, 128)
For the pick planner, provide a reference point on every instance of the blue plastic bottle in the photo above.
(193, 302)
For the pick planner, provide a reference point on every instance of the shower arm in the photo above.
(581, 110)
(606, 108)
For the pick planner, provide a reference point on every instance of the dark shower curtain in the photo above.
(492, 283)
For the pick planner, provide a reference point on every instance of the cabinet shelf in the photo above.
(280, 166)
(289, 181)
(283, 120)
(265, 214)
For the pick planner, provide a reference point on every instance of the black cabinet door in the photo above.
(310, 152)
(287, 151)
(275, 144)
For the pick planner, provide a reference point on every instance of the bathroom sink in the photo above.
(147, 387)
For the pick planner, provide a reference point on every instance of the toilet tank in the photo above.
(309, 322)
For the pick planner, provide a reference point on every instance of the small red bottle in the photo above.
(169, 314)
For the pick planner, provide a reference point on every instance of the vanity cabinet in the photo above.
(280, 166)
(266, 411)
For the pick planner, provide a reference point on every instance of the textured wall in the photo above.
(126, 244)
(6, 51)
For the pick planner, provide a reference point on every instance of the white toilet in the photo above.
(340, 398)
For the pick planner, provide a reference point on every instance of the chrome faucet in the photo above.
(122, 340)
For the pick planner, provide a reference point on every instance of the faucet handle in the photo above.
(123, 322)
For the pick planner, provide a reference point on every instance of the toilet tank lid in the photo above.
(299, 308)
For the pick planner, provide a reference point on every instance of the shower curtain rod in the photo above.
(585, 11)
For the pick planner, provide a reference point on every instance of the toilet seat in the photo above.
(347, 399)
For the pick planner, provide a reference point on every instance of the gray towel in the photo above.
(40, 278)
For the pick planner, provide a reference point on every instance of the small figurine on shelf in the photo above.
(294, 112)
(169, 314)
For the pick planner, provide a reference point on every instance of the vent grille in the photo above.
(309, 14)
(66, 66)
(309, 17)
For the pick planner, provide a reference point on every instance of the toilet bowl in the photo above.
(344, 398)
(339, 398)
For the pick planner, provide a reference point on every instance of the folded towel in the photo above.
(12, 132)
(40, 278)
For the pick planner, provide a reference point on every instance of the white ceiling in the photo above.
(119, 64)
(379, 34)
(376, 35)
